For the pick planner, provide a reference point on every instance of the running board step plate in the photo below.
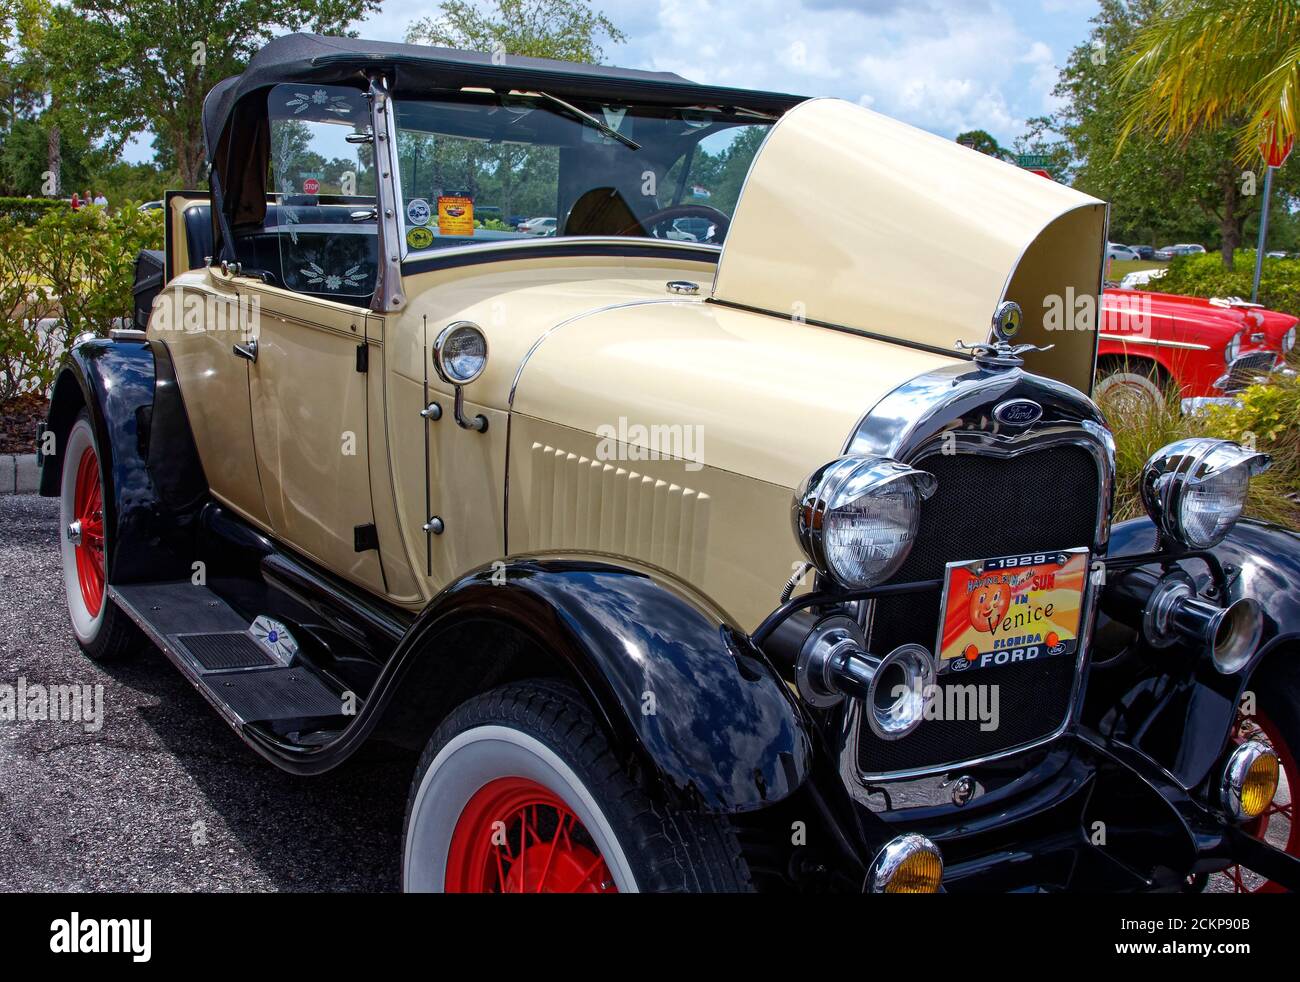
(213, 647)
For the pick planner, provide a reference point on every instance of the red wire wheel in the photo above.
(516, 836)
(88, 509)
(1277, 824)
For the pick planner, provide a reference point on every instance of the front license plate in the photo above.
(1011, 609)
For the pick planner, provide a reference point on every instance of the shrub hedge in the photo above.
(74, 271)
(1204, 276)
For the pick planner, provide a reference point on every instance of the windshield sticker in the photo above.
(419, 237)
(613, 118)
(321, 101)
(418, 212)
(353, 276)
(455, 215)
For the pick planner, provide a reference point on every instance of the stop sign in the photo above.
(311, 186)
(1275, 154)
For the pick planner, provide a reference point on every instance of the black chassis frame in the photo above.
(1144, 753)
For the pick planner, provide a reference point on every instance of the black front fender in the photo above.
(673, 678)
(1173, 705)
(1263, 562)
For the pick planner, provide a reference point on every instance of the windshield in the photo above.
(485, 167)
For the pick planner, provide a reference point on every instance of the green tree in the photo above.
(127, 65)
(569, 30)
(984, 142)
(1156, 191)
(1203, 65)
(24, 158)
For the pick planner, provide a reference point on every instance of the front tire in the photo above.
(518, 791)
(1128, 386)
(102, 630)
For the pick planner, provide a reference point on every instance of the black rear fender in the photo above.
(153, 481)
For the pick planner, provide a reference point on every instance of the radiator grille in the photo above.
(986, 507)
(1247, 368)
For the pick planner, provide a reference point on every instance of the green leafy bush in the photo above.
(75, 267)
(1268, 419)
(87, 259)
(1204, 276)
(27, 359)
(27, 210)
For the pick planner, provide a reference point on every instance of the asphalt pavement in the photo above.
(162, 796)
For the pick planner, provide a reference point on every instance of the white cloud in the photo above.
(943, 65)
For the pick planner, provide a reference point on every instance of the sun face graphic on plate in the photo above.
(988, 605)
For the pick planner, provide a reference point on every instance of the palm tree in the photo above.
(1204, 64)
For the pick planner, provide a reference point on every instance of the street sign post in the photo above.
(1275, 155)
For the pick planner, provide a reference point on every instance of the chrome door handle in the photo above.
(248, 351)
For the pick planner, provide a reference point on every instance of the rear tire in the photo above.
(101, 629)
(519, 791)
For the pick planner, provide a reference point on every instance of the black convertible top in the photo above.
(412, 67)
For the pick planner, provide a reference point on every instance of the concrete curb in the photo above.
(19, 473)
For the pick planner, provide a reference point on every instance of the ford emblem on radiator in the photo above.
(1018, 412)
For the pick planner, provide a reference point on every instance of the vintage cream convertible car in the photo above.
(752, 530)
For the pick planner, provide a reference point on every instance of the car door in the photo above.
(199, 318)
(308, 376)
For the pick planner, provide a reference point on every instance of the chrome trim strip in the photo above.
(1157, 342)
(389, 293)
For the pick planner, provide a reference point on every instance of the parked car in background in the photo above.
(1140, 277)
(538, 226)
(1208, 349)
(1181, 249)
(651, 548)
(151, 206)
(692, 230)
(1144, 251)
(1116, 251)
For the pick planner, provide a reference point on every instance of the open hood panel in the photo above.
(855, 220)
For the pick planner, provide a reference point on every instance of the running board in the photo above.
(245, 681)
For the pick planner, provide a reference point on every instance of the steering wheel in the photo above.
(721, 223)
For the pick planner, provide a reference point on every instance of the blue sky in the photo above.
(943, 65)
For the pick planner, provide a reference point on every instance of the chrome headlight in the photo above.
(856, 517)
(460, 353)
(1288, 340)
(1233, 348)
(1195, 489)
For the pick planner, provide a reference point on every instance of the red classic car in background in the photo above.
(1209, 349)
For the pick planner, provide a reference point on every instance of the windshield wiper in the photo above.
(591, 120)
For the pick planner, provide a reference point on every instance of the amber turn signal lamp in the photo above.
(1250, 780)
(907, 864)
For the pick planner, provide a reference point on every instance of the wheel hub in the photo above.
(517, 836)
